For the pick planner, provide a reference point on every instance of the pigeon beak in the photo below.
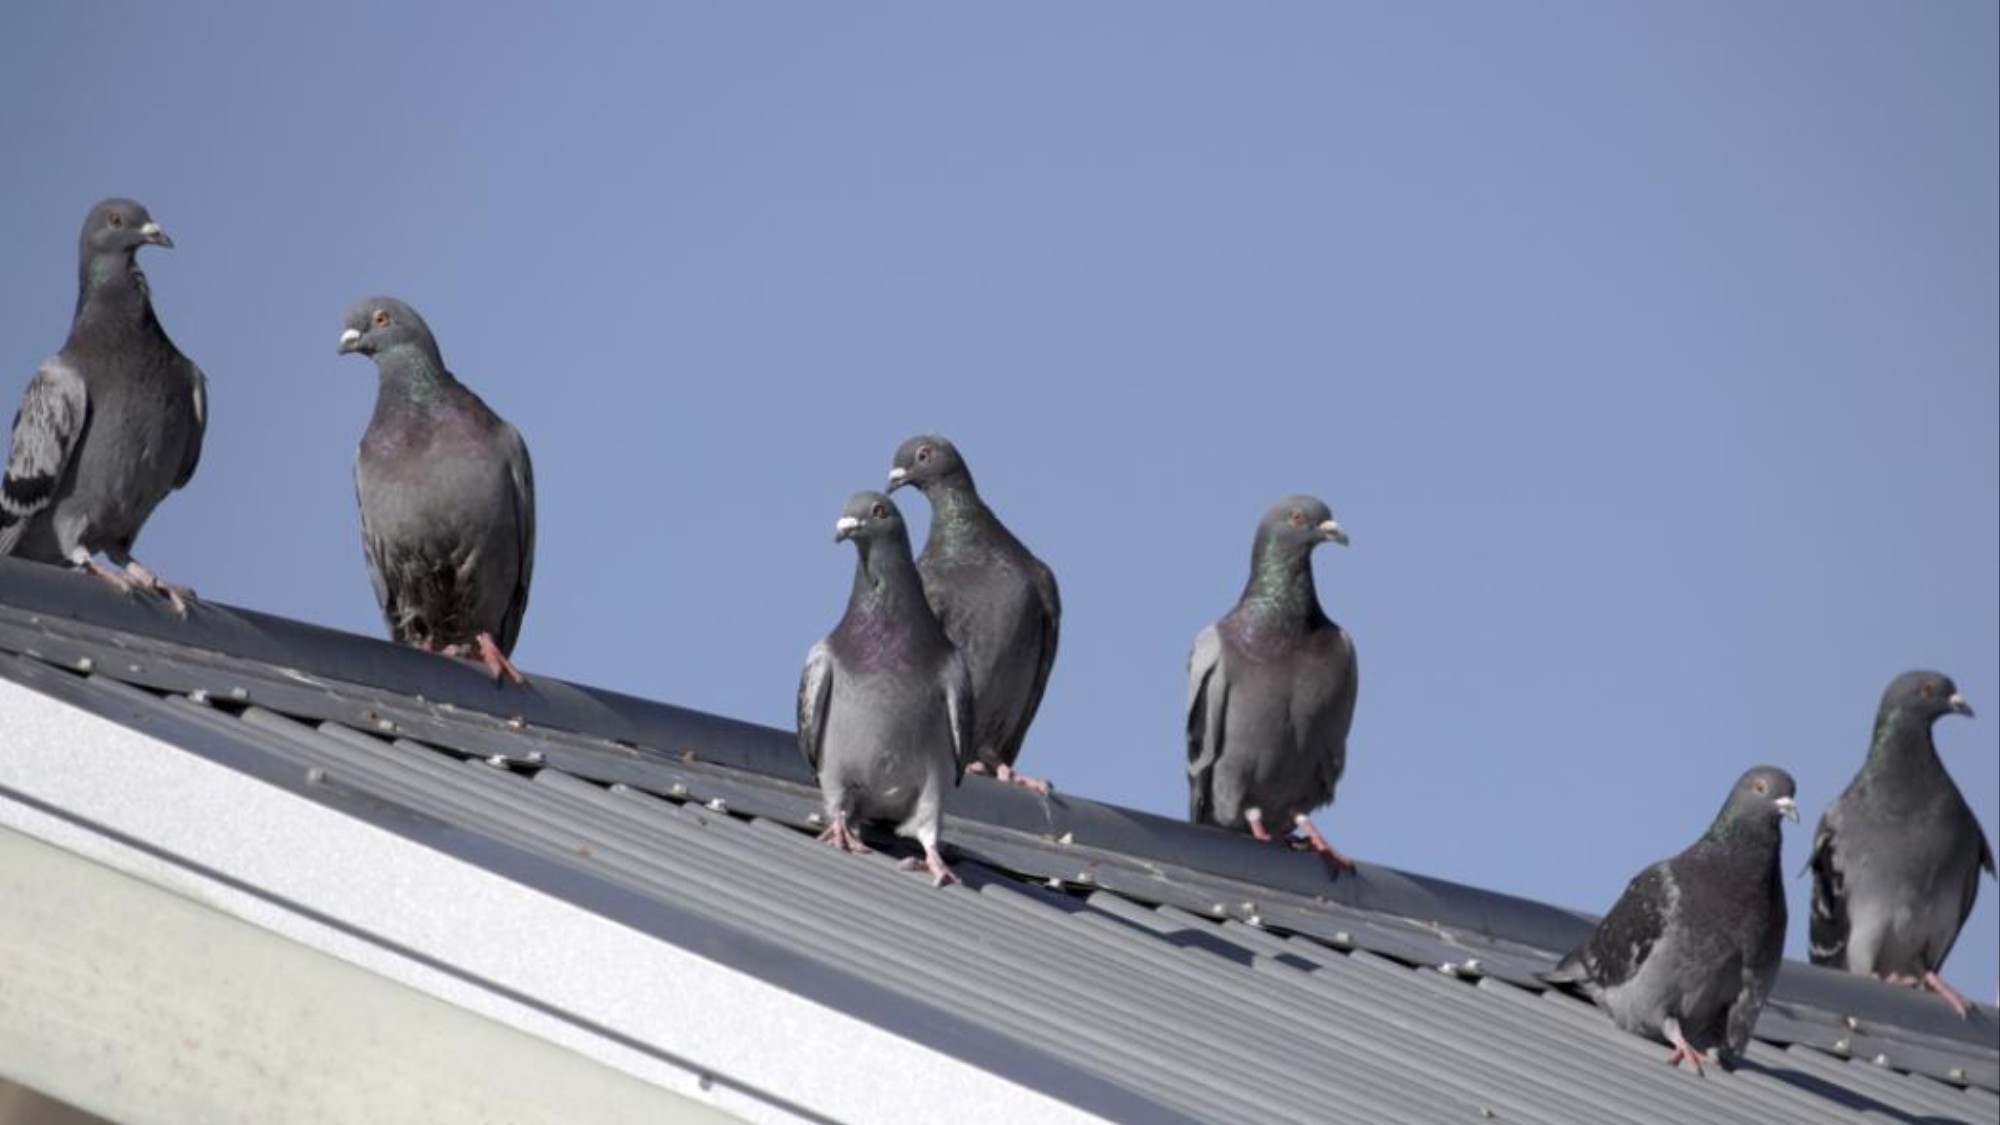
(152, 233)
(1333, 531)
(1789, 808)
(898, 477)
(1958, 704)
(845, 528)
(350, 341)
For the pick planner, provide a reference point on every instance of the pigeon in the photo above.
(1271, 691)
(1896, 859)
(110, 424)
(447, 497)
(1688, 953)
(885, 702)
(997, 601)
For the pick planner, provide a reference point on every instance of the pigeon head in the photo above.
(120, 226)
(925, 460)
(1923, 696)
(380, 325)
(1762, 794)
(1301, 523)
(869, 517)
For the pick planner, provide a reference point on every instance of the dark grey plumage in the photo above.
(447, 496)
(885, 703)
(1896, 859)
(111, 423)
(998, 602)
(1689, 952)
(1271, 690)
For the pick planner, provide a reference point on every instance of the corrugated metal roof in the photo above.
(1091, 947)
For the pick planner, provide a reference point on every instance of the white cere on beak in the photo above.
(845, 526)
(150, 230)
(896, 475)
(1331, 530)
(350, 337)
(1789, 808)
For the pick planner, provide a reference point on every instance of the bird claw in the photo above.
(932, 862)
(1012, 776)
(496, 662)
(1935, 983)
(837, 835)
(179, 597)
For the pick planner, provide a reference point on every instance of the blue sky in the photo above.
(1648, 352)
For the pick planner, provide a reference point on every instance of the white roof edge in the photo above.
(368, 897)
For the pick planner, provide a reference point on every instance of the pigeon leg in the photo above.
(1255, 818)
(1338, 863)
(83, 562)
(1936, 984)
(1681, 1049)
(1012, 776)
(838, 835)
(496, 661)
(933, 863)
(180, 597)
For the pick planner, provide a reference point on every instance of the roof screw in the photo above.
(1486, 1111)
(1086, 878)
(1219, 910)
(239, 693)
(199, 695)
(534, 757)
(1254, 920)
(1343, 938)
(517, 722)
(1844, 1045)
(679, 790)
(811, 818)
(1249, 908)
(620, 788)
(1066, 838)
(85, 664)
(1471, 966)
(1881, 1060)
(134, 669)
(497, 760)
(1852, 1023)
(717, 804)
(1956, 1074)
(315, 776)
(1054, 883)
(385, 726)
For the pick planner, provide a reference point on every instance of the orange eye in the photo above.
(1929, 690)
(1760, 787)
(923, 454)
(117, 220)
(879, 512)
(381, 319)
(1298, 518)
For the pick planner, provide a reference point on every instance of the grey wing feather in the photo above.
(191, 457)
(1826, 924)
(54, 410)
(1045, 658)
(371, 549)
(522, 472)
(1208, 700)
(1335, 761)
(958, 706)
(815, 692)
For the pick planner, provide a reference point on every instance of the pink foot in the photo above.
(1337, 863)
(1012, 776)
(496, 662)
(119, 582)
(1255, 818)
(1684, 1053)
(933, 863)
(1936, 984)
(837, 835)
(180, 597)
